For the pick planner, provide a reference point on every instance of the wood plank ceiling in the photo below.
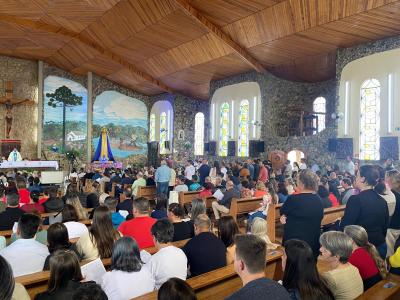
(156, 46)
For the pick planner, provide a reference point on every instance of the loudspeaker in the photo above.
(332, 145)
(167, 145)
(389, 147)
(206, 147)
(261, 146)
(253, 148)
(212, 148)
(231, 148)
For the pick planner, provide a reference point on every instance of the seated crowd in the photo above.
(124, 227)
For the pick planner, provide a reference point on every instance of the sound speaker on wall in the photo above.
(342, 146)
(261, 147)
(332, 144)
(231, 148)
(167, 145)
(389, 147)
(253, 148)
(212, 148)
(206, 147)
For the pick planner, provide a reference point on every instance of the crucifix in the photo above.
(9, 103)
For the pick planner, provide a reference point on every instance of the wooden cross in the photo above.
(9, 102)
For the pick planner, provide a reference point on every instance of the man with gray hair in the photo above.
(12, 212)
(224, 204)
(205, 252)
(162, 177)
(140, 181)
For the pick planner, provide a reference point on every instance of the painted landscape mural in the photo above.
(125, 119)
(65, 111)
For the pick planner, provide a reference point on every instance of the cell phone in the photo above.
(389, 285)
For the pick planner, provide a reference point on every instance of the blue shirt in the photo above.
(163, 174)
(194, 186)
(117, 219)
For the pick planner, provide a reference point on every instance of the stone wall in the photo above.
(279, 96)
(24, 75)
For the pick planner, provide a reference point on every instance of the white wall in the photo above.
(377, 66)
(235, 94)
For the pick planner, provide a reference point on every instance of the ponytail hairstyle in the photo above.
(360, 237)
(380, 186)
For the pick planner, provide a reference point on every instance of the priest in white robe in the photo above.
(15, 155)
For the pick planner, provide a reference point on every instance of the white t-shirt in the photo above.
(189, 172)
(119, 285)
(25, 256)
(181, 188)
(303, 166)
(168, 262)
(76, 229)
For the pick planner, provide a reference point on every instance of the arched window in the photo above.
(369, 124)
(243, 137)
(319, 106)
(152, 127)
(224, 129)
(199, 134)
(163, 132)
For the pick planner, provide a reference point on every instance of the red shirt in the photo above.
(24, 197)
(259, 193)
(140, 229)
(361, 259)
(205, 193)
(43, 200)
(32, 207)
(333, 200)
(263, 176)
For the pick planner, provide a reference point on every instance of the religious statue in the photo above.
(9, 103)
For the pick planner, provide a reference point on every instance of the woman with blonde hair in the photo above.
(365, 257)
(260, 229)
(81, 212)
(392, 179)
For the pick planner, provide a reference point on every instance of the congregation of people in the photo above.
(359, 250)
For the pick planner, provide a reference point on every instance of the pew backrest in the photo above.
(244, 205)
(148, 192)
(187, 197)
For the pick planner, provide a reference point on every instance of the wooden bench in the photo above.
(148, 192)
(37, 282)
(187, 197)
(50, 214)
(222, 282)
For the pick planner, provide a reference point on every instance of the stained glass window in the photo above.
(199, 134)
(319, 106)
(163, 132)
(152, 127)
(369, 125)
(243, 135)
(224, 129)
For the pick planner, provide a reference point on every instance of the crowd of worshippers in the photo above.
(361, 249)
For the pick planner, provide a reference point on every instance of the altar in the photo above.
(29, 164)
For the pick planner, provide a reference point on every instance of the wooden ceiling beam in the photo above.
(41, 26)
(217, 31)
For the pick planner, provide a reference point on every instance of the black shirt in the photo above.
(204, 171)
(53, 205)
(369, 210)
(260, 289)
(63, 293)
(182, 231)
(205, 252)
(304, 213)
(126, 205)
(150, 181)
(395, 219)
(9, 217)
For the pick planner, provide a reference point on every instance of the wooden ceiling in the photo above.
(156, 46)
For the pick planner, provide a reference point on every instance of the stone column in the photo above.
(40, 109)
(89, 116)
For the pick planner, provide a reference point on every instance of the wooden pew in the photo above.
(148, 192)
(222, 282)
(187, 197)
(244, 205)
(37, 282)
(208, 201)
(50, 214)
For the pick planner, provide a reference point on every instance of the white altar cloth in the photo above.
(29, 164)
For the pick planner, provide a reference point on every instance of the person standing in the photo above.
(368, 209)
(349, 166)
(302, 213)
(303, 164)
(263, 172)
(249, 264)
(203, 171)
(163, 175)
(190, 170)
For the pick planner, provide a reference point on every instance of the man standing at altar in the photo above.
(15, 155)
